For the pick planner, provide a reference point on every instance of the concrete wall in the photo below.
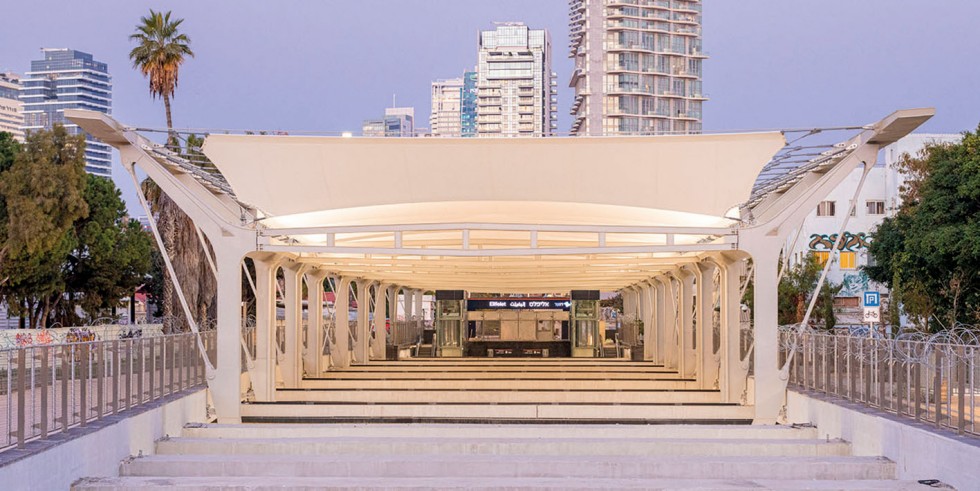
(919, 451)
(99, 452)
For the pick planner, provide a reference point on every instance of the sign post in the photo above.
(872, 310)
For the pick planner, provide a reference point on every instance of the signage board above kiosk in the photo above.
(518, 304)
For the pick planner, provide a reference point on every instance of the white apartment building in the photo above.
(516, 91)
(11, 109)
(878, 199)
(446, 118)
(637, 66)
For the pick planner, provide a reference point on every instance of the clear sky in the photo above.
(325, 65)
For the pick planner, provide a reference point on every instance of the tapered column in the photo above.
(226, 386)
(313, 359)
(732, 380)
(688, 359)
(380, 345)
(769, 393)
(292, 360)
(660, 319)
(340, 351)
(418, 310)
(646, 297)
(264, 375)
(669, 320)
(408, 303)
(362, 343)
(708, 371)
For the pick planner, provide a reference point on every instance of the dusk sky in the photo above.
(327, 65)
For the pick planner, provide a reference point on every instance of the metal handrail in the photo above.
(928, 381)
(53, 388)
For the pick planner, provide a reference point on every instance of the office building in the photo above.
(516, 91)
(637, 67)
(468, 112)
(397, 121)
(68, 79)
(446, 118)
(11, 112)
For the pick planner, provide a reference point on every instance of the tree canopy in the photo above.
(928, 254)
(66, 239)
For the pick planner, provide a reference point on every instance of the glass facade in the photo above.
(468, 106)
(68, 79)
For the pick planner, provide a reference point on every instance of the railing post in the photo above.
(83, 386)
(961, 391)
(21, 396)
(937, 387)
(66, 378)
(44, 391)
(99, 379)
(151, 372)
(129, 372)
(116, 372)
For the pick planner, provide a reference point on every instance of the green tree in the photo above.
(797, 287)
(112, 254)
(930, 251)
(43, 194)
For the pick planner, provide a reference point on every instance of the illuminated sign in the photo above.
(519, 304)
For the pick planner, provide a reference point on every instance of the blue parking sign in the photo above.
(872, 299)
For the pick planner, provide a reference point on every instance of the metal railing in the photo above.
(52, 388)
(405, 333)
(930, 380)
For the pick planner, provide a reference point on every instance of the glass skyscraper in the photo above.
(68, 79)
(468, 107)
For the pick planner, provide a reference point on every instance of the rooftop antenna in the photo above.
(393, 105)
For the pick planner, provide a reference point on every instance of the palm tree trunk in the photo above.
(171, 136)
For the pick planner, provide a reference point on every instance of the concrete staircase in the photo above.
(529, 456)
(500, 390)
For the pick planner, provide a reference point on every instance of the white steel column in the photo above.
(707, 364)
(292, 361)
(226, 390)
(313, 360)
(264, 375)
(418, 310)
(732, 378)
(659, 320)
(669, 319)
(769, 390)
(380, 346)
(340, 352)
(362, 342)
(408, 297)
(646, 311)
(688, 359)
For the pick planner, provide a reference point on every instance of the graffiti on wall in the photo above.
(850, 242)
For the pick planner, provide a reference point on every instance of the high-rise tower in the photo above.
(637, 66)
(11, 112)
(516, 93)
(69, 79)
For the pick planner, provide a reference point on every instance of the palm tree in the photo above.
(159, 52)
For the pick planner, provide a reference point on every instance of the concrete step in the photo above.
(487, 413)
(490, 384)
(512, 361)
(502, 374)
(646, 447)
(319, 483)
(511, 396)
(506, 466)
(527, 431)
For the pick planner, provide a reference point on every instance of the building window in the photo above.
(876, 207)
(848, 260)
(822, 257)
(827, 209)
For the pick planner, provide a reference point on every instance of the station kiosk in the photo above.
(450, 337)
(585, 316)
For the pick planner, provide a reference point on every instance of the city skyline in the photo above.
(758, 64)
